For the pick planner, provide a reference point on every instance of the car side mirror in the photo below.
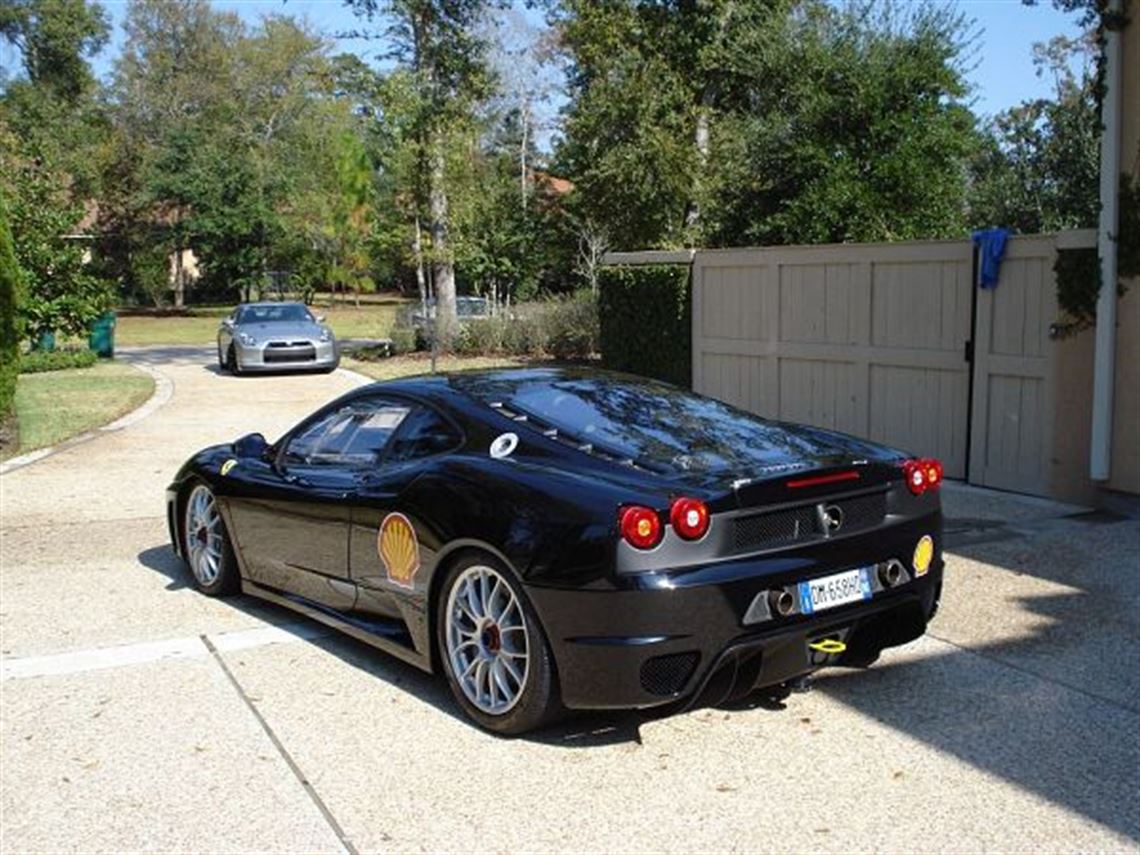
(320, 319)
(250, 446)
(227, 322)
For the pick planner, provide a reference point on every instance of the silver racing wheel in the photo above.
(487, 645)
(206, 543)
(493, 649)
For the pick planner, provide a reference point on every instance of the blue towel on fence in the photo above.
(991, 248)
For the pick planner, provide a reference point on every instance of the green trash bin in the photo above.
(102, 338)
(46, 341)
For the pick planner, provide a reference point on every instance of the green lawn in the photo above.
(420, 363)
(56, 405)
(374, 319)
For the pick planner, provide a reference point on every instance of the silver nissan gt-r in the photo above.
(275, 337)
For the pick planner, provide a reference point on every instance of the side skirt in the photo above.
(339, 621)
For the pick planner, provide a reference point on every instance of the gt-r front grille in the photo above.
(806, 523)
(281, 351)
(667, 675)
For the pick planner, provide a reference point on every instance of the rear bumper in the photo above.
(691, 635)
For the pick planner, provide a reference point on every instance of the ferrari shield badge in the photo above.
(399, 550)
(227, 466)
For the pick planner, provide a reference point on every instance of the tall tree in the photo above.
(51, 131)
(172, 83)
(1038, 168)
(55, 39)
(353, 209)
(437, 42)
(226, 125)
(727, 122)
(62, 292)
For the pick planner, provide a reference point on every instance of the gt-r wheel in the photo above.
(221, 359)
(207, 544)
(493, 649)
(231, 361)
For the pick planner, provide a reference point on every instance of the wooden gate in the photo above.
(868, 339)
(875, 340)
(1011, 435)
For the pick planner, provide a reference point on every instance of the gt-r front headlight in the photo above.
(326, 334)
(247, 339)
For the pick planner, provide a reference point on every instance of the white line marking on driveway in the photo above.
(143, 652)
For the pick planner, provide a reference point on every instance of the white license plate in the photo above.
(831, 591)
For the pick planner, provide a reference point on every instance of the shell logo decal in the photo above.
(399, 550)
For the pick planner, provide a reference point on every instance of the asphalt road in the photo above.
(138, 715)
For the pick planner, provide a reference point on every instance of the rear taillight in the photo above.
(640, 526)
(690, 518)
(922, 475)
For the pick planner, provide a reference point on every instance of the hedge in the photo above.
(10, 327)
(39, 361)
(646, 321)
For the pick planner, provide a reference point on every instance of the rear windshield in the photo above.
(285, 313)
(652, 423)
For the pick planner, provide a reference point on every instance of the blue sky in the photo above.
(1003, 74)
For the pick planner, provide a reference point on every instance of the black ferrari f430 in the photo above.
(558, 538)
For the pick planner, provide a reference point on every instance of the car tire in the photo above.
(484, 656)
(206, 544)
(232, 362)
(221, 358)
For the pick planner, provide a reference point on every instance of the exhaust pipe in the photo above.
(891, 573)
(782, 602)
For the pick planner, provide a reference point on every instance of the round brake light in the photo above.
(640, 526)
(690, 518)
(922, 475)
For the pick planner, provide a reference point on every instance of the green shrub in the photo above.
(645, 324)
(572, 327)
(481, 337)
(56, 360)
(525, 334)
(403, 340)
(11, 289)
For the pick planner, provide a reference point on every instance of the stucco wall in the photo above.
(1126, 406)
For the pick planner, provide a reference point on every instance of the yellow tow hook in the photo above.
(828, 646)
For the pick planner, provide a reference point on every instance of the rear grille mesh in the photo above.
(789, 526)
(801, 524)
(667, 675)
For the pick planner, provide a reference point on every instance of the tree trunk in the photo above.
(443, 268)
(179, 280)
(418, 254)
(705, 104)
(701, 142)
(524, 117)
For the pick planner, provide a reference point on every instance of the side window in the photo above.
(354, 435)
(424, 433)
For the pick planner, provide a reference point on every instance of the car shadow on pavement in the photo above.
(577, 730)
(1038, 676)
(1042, 738)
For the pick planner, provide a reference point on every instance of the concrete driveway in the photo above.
(138, 715)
